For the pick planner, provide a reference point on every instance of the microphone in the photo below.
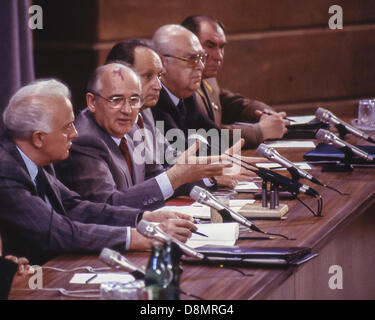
(203, 196)
(270, 153)
(329, 137)
(152, 230)
(327, 116)
(293, 187)
(114, 259)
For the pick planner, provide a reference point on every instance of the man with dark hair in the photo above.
(222, 106)
(39, 216)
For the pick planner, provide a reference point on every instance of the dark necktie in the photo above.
(45, 191)
(182, 109)
(125, 151)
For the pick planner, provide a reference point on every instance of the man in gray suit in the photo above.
(100, 169)
(140, 55)
(39, 216)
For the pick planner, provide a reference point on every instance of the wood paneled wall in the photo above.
(280, 52)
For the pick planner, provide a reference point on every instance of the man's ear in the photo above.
(90, 100)
(37, 139)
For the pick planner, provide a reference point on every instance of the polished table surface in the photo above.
(339, 213)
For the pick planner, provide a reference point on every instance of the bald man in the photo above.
(105, 164)
(183, 60)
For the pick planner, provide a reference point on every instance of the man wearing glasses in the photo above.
(104, 163)
(223, 106)
(183, 59)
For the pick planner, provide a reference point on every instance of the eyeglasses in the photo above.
(192, 60)
(117, 102)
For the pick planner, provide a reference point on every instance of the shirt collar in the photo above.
(32, 168)
(118, 140)
(174, 99)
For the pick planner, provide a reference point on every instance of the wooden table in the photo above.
(343, 237)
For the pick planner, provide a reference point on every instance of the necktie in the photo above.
(181, 108)
(140, 121)
(125, 151)
(45, 191)
(41, 184)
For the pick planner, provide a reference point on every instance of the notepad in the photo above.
(225, 234)
(95, 278)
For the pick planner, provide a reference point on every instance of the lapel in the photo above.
(213, 101)
(168, 105)
(55, 196)
(204, 103)
(88, 124)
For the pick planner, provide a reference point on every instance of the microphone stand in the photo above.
(264, 177)
(342, 166)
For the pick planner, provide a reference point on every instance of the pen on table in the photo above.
(92, 278)
(256, 238)
(269, 114)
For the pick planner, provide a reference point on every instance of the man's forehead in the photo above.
(119, 77)
(145, 58)
(211, 31)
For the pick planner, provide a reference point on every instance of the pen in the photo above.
(269, 114)
(92, 278)
(199, 233)
(255, 238)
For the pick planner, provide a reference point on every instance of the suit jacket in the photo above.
(225, 108)
(158, 150)
(31, 228)
(173, 118)
(96, 169)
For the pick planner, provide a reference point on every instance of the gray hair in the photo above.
(27, 111)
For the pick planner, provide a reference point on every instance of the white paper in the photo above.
(224, 234)
(246, 185)
(201, 212)
(273, 165)
(292, 144)
(301, 119)
(82, 278)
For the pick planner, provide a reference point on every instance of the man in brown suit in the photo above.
(222, 106)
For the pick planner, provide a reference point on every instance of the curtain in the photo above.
(16, 56)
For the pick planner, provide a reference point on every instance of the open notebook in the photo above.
(223, 234)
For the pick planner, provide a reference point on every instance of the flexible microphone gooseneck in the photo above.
(115, 259)
(203, 196)
(152, 230)
(329, 137)
(327, 116)
(271, 154)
